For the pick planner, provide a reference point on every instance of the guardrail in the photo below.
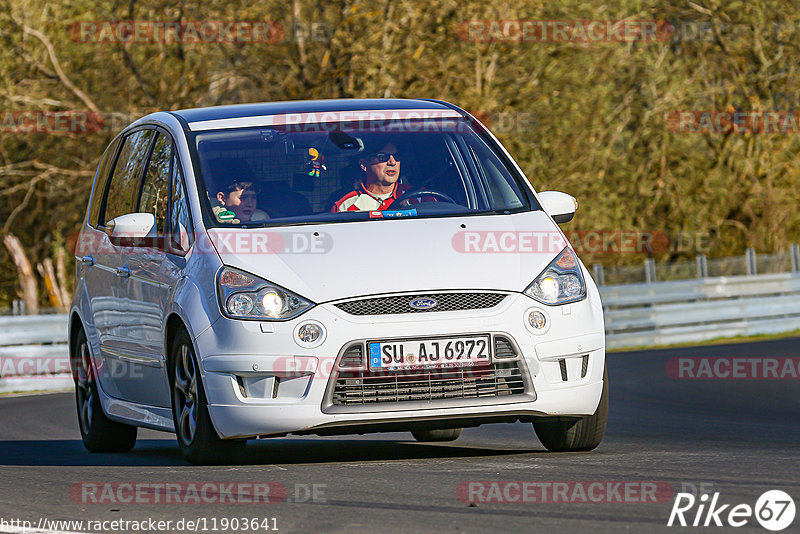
(34, 351)
(688, 311)
(650, 271)
(34, 354)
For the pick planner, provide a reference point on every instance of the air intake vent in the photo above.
(584, 365)
(503, 348)
(562, 363)
(353, 357)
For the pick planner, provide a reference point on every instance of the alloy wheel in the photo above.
(185, 392)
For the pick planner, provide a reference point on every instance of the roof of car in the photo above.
(304, 106)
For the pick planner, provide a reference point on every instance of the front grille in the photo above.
(402, 304)
(355, 385)
(361, 387)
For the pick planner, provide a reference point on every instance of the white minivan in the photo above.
(328, 267)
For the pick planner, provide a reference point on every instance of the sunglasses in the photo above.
(383, 157)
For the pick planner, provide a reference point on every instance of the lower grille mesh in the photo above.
(359, 387)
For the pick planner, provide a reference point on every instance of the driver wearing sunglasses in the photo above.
(379, 189)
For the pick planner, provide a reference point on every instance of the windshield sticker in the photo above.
(392, 214)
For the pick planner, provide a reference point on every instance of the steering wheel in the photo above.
(423, 193)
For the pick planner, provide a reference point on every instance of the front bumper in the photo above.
(260, 382)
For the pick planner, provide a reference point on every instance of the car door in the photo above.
(108, 291)
(141, 349)
(92, 252)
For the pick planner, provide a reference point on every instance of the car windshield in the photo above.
(338, 172)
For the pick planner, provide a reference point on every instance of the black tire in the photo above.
(98, 432)
(578, 434)
(441, 434)
(197, 439)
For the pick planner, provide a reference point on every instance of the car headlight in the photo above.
(246, 296)
(561, 282)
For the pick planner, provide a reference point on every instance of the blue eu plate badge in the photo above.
(374, 354)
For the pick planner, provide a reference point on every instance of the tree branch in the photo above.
(60, 73)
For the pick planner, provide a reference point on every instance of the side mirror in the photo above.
(133, 229)
(560, 206)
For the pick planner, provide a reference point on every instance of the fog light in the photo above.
(537, 319)
(309, 333)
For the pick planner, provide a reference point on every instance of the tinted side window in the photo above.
(125, 180)
(156, 181)
(182, 231)
(100, 181)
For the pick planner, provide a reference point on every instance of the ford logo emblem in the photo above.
(423, 304)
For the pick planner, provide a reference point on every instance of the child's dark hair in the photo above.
(235, 186)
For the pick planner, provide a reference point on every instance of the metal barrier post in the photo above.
(750, 258)
(702, 266)
(795, 258)
(597, 269)
(650, 270)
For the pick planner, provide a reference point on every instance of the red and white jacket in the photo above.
(363, 200)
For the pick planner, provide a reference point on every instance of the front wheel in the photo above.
(197, 438)
(98, 432)
(579, 434)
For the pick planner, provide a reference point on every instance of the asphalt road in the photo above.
(736, 437)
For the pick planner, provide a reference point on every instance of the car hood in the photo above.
(343, 260)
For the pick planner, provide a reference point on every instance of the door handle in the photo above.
(124, 272)
(87, 261)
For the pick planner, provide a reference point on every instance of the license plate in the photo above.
(462, 351)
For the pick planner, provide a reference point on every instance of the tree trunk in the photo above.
(30, 294)
(54, 291)
(61, 276)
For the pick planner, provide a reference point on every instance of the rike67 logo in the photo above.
(774, 510)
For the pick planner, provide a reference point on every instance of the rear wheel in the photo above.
(442, 434)
(98, 432)
(578, 434)
(198, 440)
